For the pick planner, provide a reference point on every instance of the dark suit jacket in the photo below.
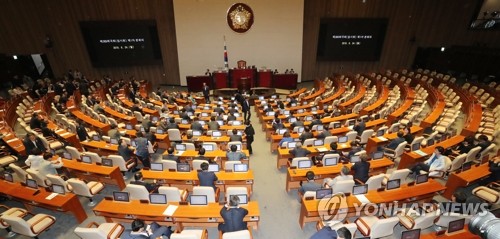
(35, 123)
(305, 135)
(360, 128)
(245, 106)
(235, 138)
(325, 233)
(395, 142)
(233, 219)
(125, 152)
(361, 171)
(207, 179)
(82, 133)
(206, 91)
(30, 146)
(196, 126)
(300, 152)
(171, 157)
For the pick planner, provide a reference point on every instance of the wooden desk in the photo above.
(65, 203)
(100, 147)
(374, 142)
(410, 158)
(295, 176)
(185, 215)
(284, 153)
(186, 180)
(359, 96)
(381, 100)
(422, 192)
(129, 104)
(13, 141)
(297, 93)
(276, 138)
(464, 179)
(98, 125)
(189, 154)
(119, 116)
(93, 172)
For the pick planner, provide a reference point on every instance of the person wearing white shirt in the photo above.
(344, 175)
(433, 165)
(49, 167)
(35, 159)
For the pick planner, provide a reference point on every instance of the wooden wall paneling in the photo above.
(26, 22)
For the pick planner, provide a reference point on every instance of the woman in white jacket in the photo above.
(433, 165)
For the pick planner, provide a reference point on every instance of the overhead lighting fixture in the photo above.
(15, 57)
(442, 48)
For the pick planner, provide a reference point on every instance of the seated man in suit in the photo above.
(298, 151)
(483, 142)
(344, 175)
(146, 122)
(325, 133)
(316, 121)
(395, 142)
(328, 233)
(201, 156)
(113, 132)
(31, 142)
(140, 230)
(171, 156)
(152, 188)
(231, 117)
(213, 125)
(235, 136)
(233, 216)
(361, 169)
(299, 122)
(234, 155)
(359, 126)
(306, 134)
(433, 165)
(219, 109)
(195, 125)
(310, 185)
(171, 124)
(278, 125)
(205, 177)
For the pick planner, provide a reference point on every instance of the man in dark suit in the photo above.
(36, 121)
(483, 142)
(238, 97)
(395, 142)
(171, 124)
(361, 169)
(233, 216)
(205, 177)
(126, 152)
(316, 121)
(280, 104)
(325, 133)
(206, 93)
(171, 156)
(298, 151)
(235, 136)
(219, 109)
(299, 122)
(278, 125)
(359, 126)
(195, 125)
(213, 125)
(245, 107)
(328, 233)
(81, 131)
(306, 135)
(149, 186)
(31, 142)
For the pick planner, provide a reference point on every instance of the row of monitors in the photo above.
(363, 189)
(317, 142)
(157, 198)
(185, 167)
(207, 147)
(335, 160)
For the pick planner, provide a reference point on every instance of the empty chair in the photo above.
(351, 136)
(138, 116)
(73, 151)
(309, 142)
(375, 182)
(212, 196)
(423, 221)
(190, 234)
(103, 231)
(400, 174)
(40, 179)
(374, 227)
(229, 165)
(416, 140)
(471, 155)
(95, 157)
(394, 128)
(85, 189)
(124, 166)
(330, 139)
(6, 158)
(489, 195)
(457, 162)
(32, 227)
(174, 135)
(447, 217)
(56, 179)
(137, 192)
(51, 143)
(15, 212)
(486, 151)
(396, 153)
(169, 164)
(363, 139)
(344, 186)
(173, 194)
(242, 234)
(20, 172)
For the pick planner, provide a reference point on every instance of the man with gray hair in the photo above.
(328, 232)
(233, 216)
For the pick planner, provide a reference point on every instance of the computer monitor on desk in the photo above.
(456, 226)
(411, 234)
(422, 178)
(343, 139)
(58, 189)
(157, 166)
(67, 155)
(243, 198)
(159, 131)
(304, 164)
(300, 130)
(331, 161)
(393, 184)
(321, 193)
(430, 142)
(208, 147)
(216, 134)
(31, 183)
(121, 196)
(183, 167)
(281, 131)
(380, 132)
(213, 168)
(309, 118)
(378, 155)
(292, 145)
(318, 142)
(96, 137)
(466, 166)
(198, 200)
(360, 189)
(336, 125)
(355, 158)
(292, 120)
(415, 146)
(8, 177)
(180, 147)
(129, 127)
(240, 168)
(156, 198)
(107, 162)
(113, 141)
(86, 159)
(196, 133)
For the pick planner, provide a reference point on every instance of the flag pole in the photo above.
(226, 65)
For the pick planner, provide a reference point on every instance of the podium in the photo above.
(265, 78)
(285, 81)
(243, 79)
(220, 79)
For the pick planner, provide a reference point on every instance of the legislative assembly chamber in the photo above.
(257, 119)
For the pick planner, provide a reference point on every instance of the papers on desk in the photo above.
(420, 152)
(59, 130)
(362, 199)
(65, 134)
(382, 138)
(322, 149)
(170, 210)
(51, 196)
(179, 153)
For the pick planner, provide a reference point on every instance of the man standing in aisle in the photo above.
(206, 93)
(246, 109)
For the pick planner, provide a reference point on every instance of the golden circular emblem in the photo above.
(240, 17)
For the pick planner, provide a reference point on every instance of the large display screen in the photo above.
(122, 43)
(351, 39)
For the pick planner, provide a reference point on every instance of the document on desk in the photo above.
(65, 134)
(420, 152)
(362, 199)
(51, 196)
(382, 138)
(170, 210)
(322, 149)
(59, 131)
